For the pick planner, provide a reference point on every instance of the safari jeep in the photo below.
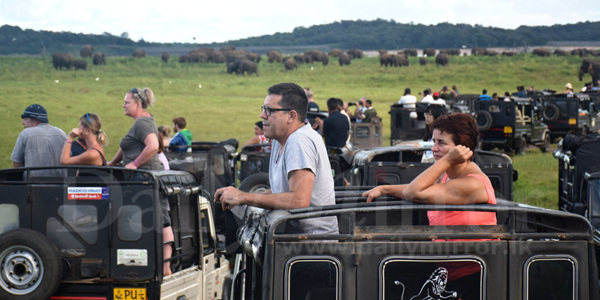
(579, 175)
(387, 250)
(511, 125)
(96, 233)
(577, 114)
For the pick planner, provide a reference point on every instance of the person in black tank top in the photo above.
(89, 130)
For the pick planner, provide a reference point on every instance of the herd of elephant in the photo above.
(243, 62)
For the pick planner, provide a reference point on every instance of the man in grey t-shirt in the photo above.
(39, 144)
(299, 170)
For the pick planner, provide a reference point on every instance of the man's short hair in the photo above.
(292, 97)
(406, 91)
(333, 103)
(427, 91)
(180, 122)
(340, 103)
(484, 91)
(369, 101)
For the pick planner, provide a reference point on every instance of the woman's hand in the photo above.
(75, 132)
(458, 155)
(373, 193)
(131, 165)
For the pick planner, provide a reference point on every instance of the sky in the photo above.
(201, 21)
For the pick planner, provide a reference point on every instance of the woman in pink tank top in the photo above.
(453, 179)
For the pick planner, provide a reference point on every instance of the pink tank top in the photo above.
(440, 218)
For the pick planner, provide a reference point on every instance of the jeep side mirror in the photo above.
(515, 175)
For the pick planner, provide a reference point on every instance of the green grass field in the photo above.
(219, 106)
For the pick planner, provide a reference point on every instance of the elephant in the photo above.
(593, 68)
(316, 55)
(491, 53)
(255, 57)
(455, 52)
(386, 59)
(429, 52)
(479, 51)
(289, 64)
(80, 64)
(541, 52)
(246, 66)
(139, 53)
(60, 60)
(99, 59)
(344, 59)
(382, 51)
(400, 60)
(232, 67)
(508, 53)
(299, 58)
(410, 52)
(355, 53)
(559, 52)
(442, 59)
(336, 52)
(164, 57)
(274, 56)
(216, 57)
(198, 57)
(422, 61)
(86, 51)
(184, 58)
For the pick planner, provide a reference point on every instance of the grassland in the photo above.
(219, 106)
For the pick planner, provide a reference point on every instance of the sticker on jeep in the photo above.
(132, 257)
(87, 193)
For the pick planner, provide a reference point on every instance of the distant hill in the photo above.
(366, 35)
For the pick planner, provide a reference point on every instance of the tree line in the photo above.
(366, 35)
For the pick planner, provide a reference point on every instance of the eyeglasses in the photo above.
(268, 111)
(137, 92)
(427, 114)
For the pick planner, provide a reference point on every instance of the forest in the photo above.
(366, 35)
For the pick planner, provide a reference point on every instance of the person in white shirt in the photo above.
(427, 98)
(408, 100)
(437, 100)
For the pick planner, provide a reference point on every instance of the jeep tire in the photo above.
(484, 120)
(550, 112)
(255, 183)
(520, 146)
(30, 266)
(545, 147)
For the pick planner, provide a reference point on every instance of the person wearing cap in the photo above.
(437, 100)
(484, 96)
(39, 144)
(569, 91)
(407, 100)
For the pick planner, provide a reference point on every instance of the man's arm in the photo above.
(17, 165)
(301, 185)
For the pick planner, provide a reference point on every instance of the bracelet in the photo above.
(133, 162)
(69, 141)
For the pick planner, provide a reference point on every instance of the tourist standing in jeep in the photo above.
(39, 144)
(299, 168)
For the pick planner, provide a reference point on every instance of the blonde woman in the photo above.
(89, 130)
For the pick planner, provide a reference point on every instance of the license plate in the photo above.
(129, 294)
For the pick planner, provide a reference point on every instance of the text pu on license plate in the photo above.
(129, 294)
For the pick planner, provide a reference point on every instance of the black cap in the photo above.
(36, 111)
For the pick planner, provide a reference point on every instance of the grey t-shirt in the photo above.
(132, 143)
(304, 149)
(39, 146)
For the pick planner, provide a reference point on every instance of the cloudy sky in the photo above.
(204, 21)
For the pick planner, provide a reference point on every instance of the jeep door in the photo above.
(74, 213)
